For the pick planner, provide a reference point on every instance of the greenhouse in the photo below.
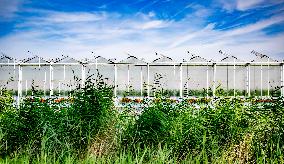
(195, 77)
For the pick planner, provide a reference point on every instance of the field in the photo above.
(87, 128)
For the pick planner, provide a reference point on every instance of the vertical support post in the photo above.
(20, 78)
(268, 78)
(174, 70)
(180, 78)
(261, 87)
(248, 80)
(227, 87)
(187, 79)
(234, 77)
(59, 88)
(128, 82)
(282, 80)
(148, 80)
(70, 88)
(83, 75)
(207, 81)
(44, 84)
(50, 80)
(214, 79)
(187, 90)
(141, 81)
(14, 68)
(64, 72)
(26, 87)
(115, 80)
(38, 62)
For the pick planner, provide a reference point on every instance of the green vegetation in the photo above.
(87, 128)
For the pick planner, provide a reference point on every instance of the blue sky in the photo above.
(113, 28)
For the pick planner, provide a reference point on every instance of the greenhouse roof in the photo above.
(100, 59)
(263, 58)
(112, 60)
(163, 59)
(6, 59)
(197, 59)
(66, 59)
(132, 59)
(35, 59)
(231, 59)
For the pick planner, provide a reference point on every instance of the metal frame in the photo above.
(208, 64)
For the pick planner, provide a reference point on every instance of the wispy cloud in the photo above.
(255, 26)
(208, 33)
(58, 17)
(50, 33)
(245, 4)
(192, 35)
(8, 8)
(154, 24)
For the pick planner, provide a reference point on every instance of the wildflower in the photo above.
(42, 100)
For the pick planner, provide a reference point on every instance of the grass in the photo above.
(87, 128)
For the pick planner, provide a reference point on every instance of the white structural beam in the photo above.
(180, 81)
(64, 72)
(20, 79)
(141, 81)
(83, 74)
(207, 81)
(50, 80)
(115, 80)
(214, 79)
(59, 88)
(26, 87)
(128, 79)
(148, 80)
(187, 80)
(261, 86)
(38, 62)
(44, 84)
(221, 63)
(268, 78)
(282, 80)
(248, 80)
(174, 70)
(234, 77)
(14, 68)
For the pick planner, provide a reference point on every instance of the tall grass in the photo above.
(57, 126)
(87, 128)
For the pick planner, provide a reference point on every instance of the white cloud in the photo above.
(8, 8)
(247, 4)
(110, 35)
(256, 26)
(153, 24)
(228, 5)
(208, 34)
(243, 5)
(61, 17)
(191, 35)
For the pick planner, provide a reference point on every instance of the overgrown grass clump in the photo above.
(229, 128)
(87, 128)
(57, 126)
